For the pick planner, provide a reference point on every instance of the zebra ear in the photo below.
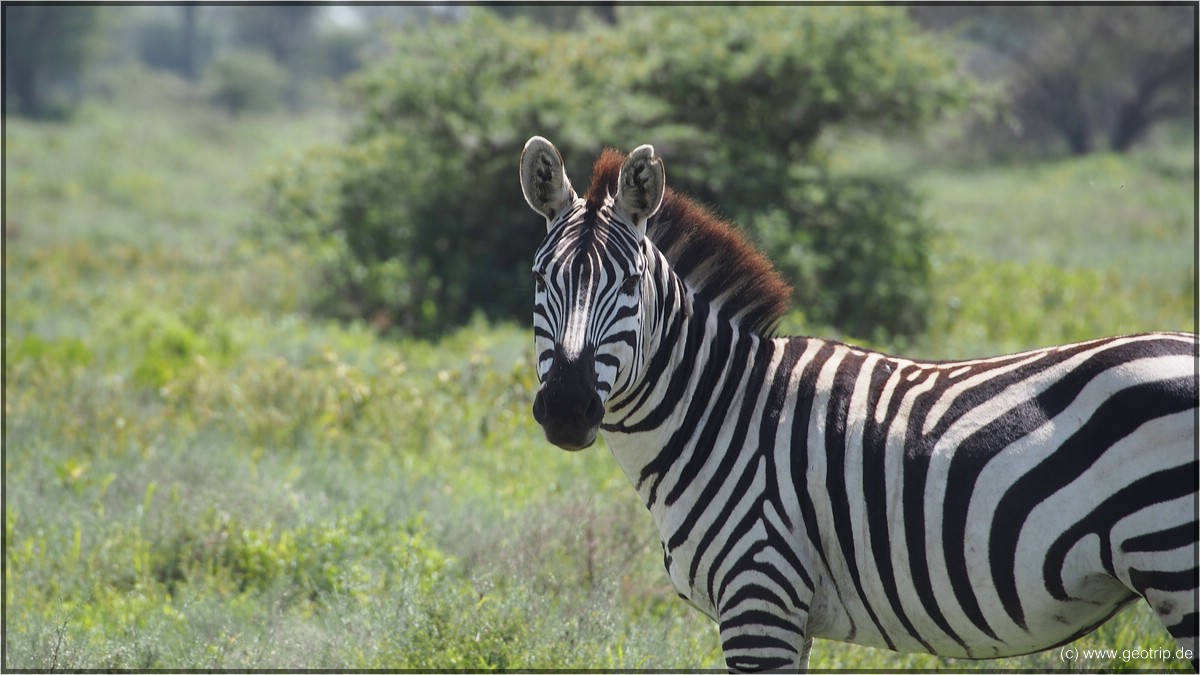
(641, 185)
(544, 180)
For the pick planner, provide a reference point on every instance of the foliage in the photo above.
(177, 43)
(245, 82)
(861, 261)
(287, 34)
(282, 29)
(45, 46)
(748, 93)
(1079, 79)
(559, 16)
(430, 229)
(56, 57)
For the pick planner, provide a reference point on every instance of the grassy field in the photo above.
(199, 475)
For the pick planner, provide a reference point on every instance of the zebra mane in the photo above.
(716, 261)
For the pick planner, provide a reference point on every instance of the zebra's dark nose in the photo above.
(567, 406)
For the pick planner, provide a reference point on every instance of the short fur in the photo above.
(717, 262)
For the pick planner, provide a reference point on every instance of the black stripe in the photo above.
(727, 368)
(706, 444)
(758, 617)
(740, 530)
(775, 574)
(671, 326)
(836, 420)
(984, 392)
(755, 642)
(917, 449)
(784, 543)
(806, 396)
(1155, 488)
(1180, 580)
(710, 371)
(607, 360)
(1163, 540)
(768, 431)
(659, 367)
(975, 451)
(754, 592)
(874, 487)
(1113, 420)
(1186, 628)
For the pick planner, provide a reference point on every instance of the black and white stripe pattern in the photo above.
(806, 488)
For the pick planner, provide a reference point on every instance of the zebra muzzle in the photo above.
(568, 406)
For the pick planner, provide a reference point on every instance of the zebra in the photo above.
(808, 488)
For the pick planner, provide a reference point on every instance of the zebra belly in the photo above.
(896, 614)
(1057, 623)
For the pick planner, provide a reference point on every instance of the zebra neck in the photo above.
(673, 425)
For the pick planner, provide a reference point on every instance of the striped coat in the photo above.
(806, 488)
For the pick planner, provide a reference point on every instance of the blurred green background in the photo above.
(267, 355)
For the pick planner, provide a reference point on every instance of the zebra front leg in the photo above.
(802, 662)
(1172, 595)
(1158, 570)
(756, 639)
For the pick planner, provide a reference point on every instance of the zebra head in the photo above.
(589, 277)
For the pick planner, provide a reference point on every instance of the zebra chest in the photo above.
(678, 562)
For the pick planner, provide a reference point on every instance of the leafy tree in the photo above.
(425, 225)
(176, 40)
(773, 80)
(44, 45)
(189, 61)
(282, 29)
(749, 101)
(287, 33)
(558, 16)
(1087, 77)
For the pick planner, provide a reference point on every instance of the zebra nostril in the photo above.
(539, 408)
(594, 411)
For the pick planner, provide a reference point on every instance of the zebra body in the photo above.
(834, 545)
(806, 488)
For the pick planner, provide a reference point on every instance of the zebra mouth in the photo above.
(568, 406)
(568, 438)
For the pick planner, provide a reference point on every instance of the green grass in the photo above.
(199, 475)
(1101, 211)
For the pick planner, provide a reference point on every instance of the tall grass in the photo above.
(198, 475)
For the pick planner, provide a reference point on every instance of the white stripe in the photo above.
(576, 331)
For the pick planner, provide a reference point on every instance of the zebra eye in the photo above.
(631, 284)
(539, 281)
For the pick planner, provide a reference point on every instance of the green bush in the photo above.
(424, 226)
(246, 82)
(860, 262)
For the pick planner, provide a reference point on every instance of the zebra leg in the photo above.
(1172, 596)
(1160, 566)
(802, 662)
(757, 639)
